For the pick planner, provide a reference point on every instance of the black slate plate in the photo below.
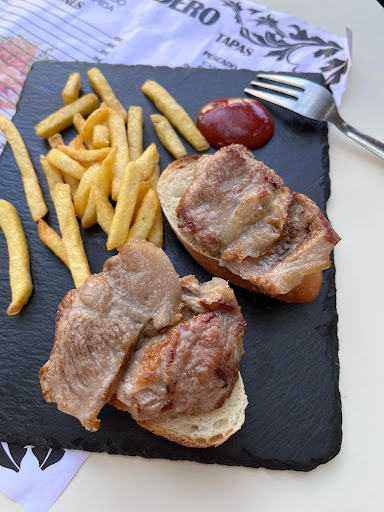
(290, 367)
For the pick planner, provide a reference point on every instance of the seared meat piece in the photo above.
(241, 212)
(98, 325)
(303, 248)
(235, 206)
(193, 367)
(214, 295)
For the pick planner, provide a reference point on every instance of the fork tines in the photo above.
(277, 99)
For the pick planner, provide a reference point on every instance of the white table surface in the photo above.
(352, 481)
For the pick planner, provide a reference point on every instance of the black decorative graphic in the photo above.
(12, 460)
(284, 45)
(47, 457)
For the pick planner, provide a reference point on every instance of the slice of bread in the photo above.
(173, 182)
(204, 430)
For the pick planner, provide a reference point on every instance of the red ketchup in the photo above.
(235, 121)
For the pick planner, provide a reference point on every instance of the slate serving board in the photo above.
(290, 367)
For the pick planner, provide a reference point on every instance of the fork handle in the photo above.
(373, 145)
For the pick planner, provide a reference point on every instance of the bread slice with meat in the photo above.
(172, 185)
(200, 430)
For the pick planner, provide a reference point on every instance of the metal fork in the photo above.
(309, 100)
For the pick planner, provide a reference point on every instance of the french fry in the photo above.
(79, 122)
(98, 117)
(156, 234)
(154, 178)
(86, 155)
(144, 187)
(125, 205)
(100, 138)
(63, 118)
(52, 174)
(135, 132)
(175, 114)
(148, 160)
(103, 179)
(81, 197)
(118, 137)
(52, 240)
(65, 163)
(104, 90)
(77, 259)
(72, 182)
(167, 135)
(104, 176)
(145, 217)
(104, 209)
(71, 89)
(55, 141)
(32, 188)
(77, 143)
(90, 215)
(19, 268)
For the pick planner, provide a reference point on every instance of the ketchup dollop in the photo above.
(235, 121)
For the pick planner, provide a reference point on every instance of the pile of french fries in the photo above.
(105, 160)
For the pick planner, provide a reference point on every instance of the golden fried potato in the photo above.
(145, 217)
(154, 178)
(175, 114)
(104, 209)
(77, 259)
(65, 163)
(90, 216)
(156, 234)
(100, 137)
(81, 197)
(76, 143)
(72, 182)
(167, 135)
(97, 117)
(32, 188)
(55, 141)
(86, 155)
(148, 160)
(52, 174)
(71, 89)
(118, 137)
(19, 268)
(125, 205)
(135, 132)
(144, 187)
(52, 240)
(103, 179)
(61, 119)
(104, 90)
(79, 122)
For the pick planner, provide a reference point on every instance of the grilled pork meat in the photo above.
(240, 211)
(235, 205)
(193, 367)
(303, 248)
(99, 324)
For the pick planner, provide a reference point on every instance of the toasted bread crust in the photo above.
(189, 442)
(306, 291)
(233, 410)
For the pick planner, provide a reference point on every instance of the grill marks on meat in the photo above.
(98, 325)
(194, 366)
(240, 211)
